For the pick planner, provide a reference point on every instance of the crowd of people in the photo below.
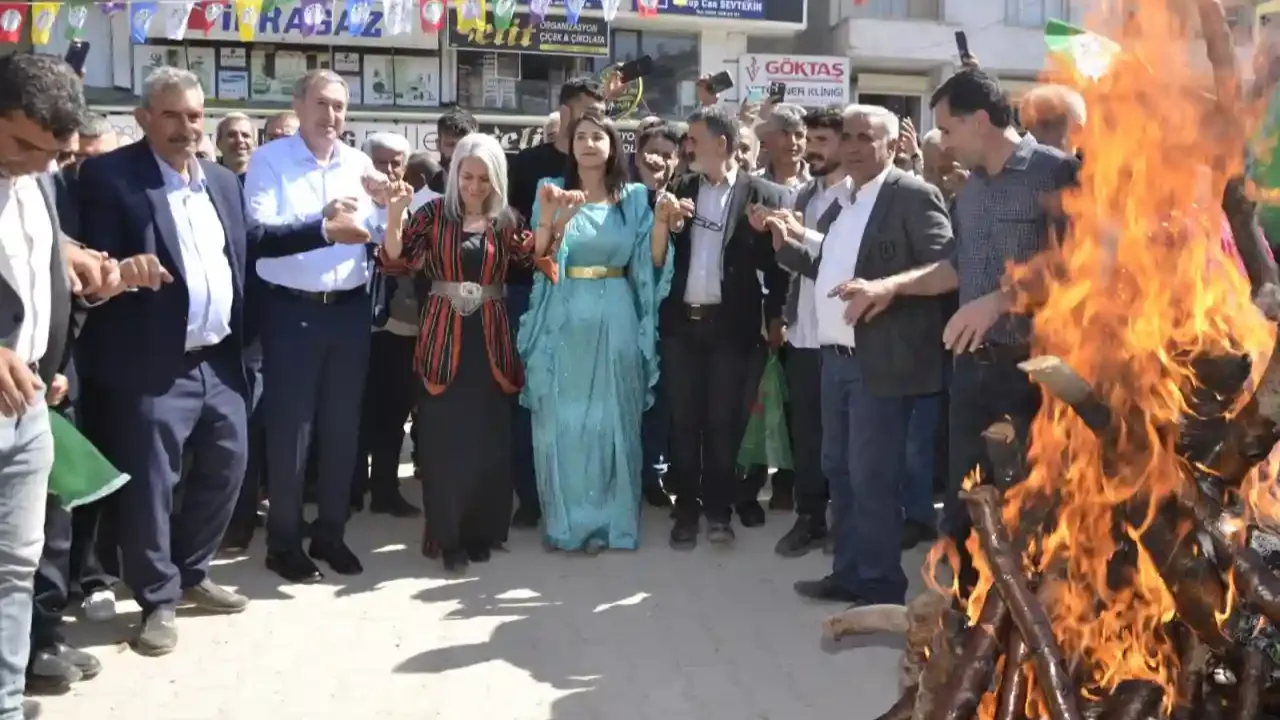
(573, 331)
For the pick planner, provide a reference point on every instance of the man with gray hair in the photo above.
(874, 364)
(317, 316)
(782, 144)
(235, 138)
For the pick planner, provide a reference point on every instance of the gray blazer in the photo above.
(900, 350)
(13, 312)
(804, 196)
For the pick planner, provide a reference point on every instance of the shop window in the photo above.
(668, 90)
(527, 83)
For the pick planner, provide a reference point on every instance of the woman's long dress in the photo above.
(464, 438)
(590, 356)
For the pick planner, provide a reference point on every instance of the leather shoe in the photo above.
(526, 517)
(826, 590)
(720, 532)
(295, 567)
(339, 557)
(750, 513)
(655, 496)
(158, 634)
(48, 674)
(807, 534)
(684, 533)
(87, 664)
(394, 505)
(212, 597)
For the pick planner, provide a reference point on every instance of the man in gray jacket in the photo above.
(872, 367)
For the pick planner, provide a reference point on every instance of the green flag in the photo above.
(80, 473)
(76, 17)
(1089, 52)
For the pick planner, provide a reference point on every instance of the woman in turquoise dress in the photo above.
(589, 343)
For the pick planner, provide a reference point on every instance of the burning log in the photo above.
(1057, 377)
(1014, 687)
(1006, 453)
(1133, 700)
(1253, 578)
(1251, 681)
(1024, 608)
(971, 676)
(1191, 675)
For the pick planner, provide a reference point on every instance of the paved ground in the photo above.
(651, 635)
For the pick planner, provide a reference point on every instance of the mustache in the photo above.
(815, 158)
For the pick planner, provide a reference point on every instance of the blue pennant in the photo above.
(140, 17)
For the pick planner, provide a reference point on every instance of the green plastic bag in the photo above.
(766, 441)
(80, 473)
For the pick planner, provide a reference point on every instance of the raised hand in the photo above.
(399, 195)
(377, 186)
(144, 271)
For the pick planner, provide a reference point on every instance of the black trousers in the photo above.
(244, 516)
(985, 388)
(391, 389)
(705, 372)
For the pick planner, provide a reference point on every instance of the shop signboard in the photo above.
(811, 80)
(284, 24)
(553, 36)
(514, 135)
(775, 10)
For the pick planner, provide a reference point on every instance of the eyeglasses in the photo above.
(707, 223)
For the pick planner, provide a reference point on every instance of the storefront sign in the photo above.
(284, 24)
(791, 11)
(553, 36)
(811, 80)
(422, 134)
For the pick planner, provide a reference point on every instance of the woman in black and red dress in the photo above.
(461, 246)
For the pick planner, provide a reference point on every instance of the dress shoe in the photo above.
(212, 597)
(750, 513)
(31, 710)
(720, 532)
(655, 496)
(526, 517)
(684, 533)
(99, 606)
(338, 556)
(783, 497)
(294, 567)
(479, 553)
(807, 534)
(455, 561)
(827, 590)
(158, 634)
(237, 539)
(914, 533)
(49, 674)
(394, 505)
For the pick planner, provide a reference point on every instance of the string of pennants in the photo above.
(180, 16)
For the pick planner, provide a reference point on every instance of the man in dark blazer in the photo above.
(168, 365)
(874, 364)
(724, 276)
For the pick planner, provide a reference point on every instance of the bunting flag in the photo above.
(646, 8)
(610, 8)
(77, 14)
(431, 15)
(313, 12)
(1090, 53)
(268, 6)
(43, 15)
(357, 16)
(111, 8)
(538, 10)
(573, 10)
(471, 15)
(176, 18)
(12, 17)
(397, 16)
(247, 14)
(204, 16)
(503, 11)
(682, 3)
(140, 14)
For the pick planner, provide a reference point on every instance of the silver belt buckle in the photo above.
(470, 290)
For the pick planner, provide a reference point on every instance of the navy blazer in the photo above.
(138, 339)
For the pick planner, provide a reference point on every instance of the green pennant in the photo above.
(269, 5)
(503, 11)
(1089, 52)
(77, 14)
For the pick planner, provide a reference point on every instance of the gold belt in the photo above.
(594, 272)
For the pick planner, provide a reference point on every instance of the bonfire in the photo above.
(1122, 548)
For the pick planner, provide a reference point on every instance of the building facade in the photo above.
(508, 78)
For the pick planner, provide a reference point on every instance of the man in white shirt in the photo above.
(316, 320)
(873, 364)
(41, 105)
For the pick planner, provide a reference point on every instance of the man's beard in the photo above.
(819, 166)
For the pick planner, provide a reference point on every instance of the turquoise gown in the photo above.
(589, 348)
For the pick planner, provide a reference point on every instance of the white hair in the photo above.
(165, 79)
(393, 141)
(488, 150)
(886, 119)
(318, 78)
(933, 137)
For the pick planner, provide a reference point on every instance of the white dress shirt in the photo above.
(840, 260)
(286, 184)
(804, 334)
(422, 197)
(26, 234)
(706, 240)
(203, 243)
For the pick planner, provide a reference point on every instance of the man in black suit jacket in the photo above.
(711, 322)
(168, 365)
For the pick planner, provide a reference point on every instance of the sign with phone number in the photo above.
(775, 10)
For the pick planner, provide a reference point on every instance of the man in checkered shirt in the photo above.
(998, 218)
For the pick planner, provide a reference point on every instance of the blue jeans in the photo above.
(864, 442)
(522, 474)
(922, 434)
(26, 456)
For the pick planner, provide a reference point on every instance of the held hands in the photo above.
(340, 224)
(19, 386)
(378, 186)
(562, 203)
(672, 211)
(57, 391)
(86, 269)
(143, 271)
(865, 298)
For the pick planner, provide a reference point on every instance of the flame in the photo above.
(1140, 285)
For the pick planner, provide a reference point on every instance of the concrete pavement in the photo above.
(650, 635)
